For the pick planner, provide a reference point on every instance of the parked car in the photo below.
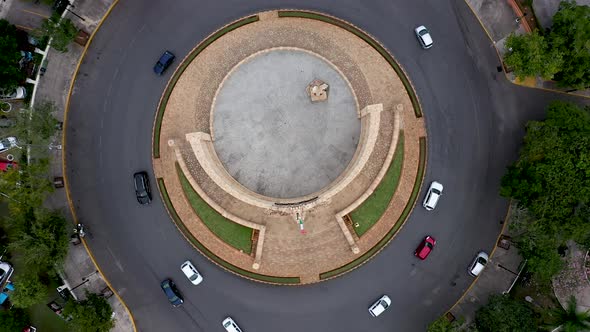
(7, 165)
(8, 143)
(230, 325)
(164, 62)
(172, 292)
(191, 273)
(434, 192)
(380, 306)
(17, 93)
(5, 272)
(478, 264)
(424, 37)
(143, 192)
(425, 247)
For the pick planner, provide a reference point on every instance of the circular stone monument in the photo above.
(268, 133)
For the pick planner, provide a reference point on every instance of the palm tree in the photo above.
(571, 320)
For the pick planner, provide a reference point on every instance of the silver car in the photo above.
(478, 264)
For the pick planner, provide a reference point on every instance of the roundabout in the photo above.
(253, 149)
(472, 115)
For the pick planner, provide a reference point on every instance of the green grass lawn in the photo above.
(44, 319)
(235, 235)
(368, 213)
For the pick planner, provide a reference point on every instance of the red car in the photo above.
(425, 247)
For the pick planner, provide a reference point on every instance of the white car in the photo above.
(230, 325)
(381, 305)
(191, 272)
(8, 143)
(478, 264)
(432, 196)
(5, 272)
(18, 93)
(424, 37)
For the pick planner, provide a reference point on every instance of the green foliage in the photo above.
(92, 314)
(442, 324)
(13, 320)
(37, 126)
(552, 176)
(570, 36)
(570, 319)
(551, 180)
(29, 290)
(530, 56)
(62, 32)
(503, 314)
(42, 240)
(10, 73)
(564, 53)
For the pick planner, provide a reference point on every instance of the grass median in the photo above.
(216, 259)
(400, 221)
(371, 210)
(236, 235)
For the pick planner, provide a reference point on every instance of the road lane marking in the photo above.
(34, 13)
(22, 27)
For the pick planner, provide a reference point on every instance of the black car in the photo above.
(172, 292)
(142, 187)
(165, 61)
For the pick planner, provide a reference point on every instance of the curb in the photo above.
(490, 258)
(64, 165)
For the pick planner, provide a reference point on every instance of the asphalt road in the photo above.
(475, 124)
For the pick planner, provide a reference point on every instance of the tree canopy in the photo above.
(504, 314)
(93, 314)
(530, 55)
(62, 32)
(551, 179)
(562, 54)
(13, 320)
(10, 73)
(570, 36)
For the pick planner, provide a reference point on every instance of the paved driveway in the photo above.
(475, 122)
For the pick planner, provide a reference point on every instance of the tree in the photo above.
(26, 186)
(38, 125)
(550, 179)
(62, 32)
(93, 314)
(42, 239)
(10, 73)
(570, 319)
(28, 290)
(570, 36)
(442, 324)
(504, 314)
(529, 55)
(13, 320)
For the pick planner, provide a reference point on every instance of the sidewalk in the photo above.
(498, 277)
(500, 18)
(79, 272)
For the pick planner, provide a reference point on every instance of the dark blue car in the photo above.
(172, 292)
(165, 61)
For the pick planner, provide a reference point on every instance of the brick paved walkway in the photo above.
(286, 252)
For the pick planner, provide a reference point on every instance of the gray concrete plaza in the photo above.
(270, 136)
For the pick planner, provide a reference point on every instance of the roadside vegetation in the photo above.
(560, 53)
